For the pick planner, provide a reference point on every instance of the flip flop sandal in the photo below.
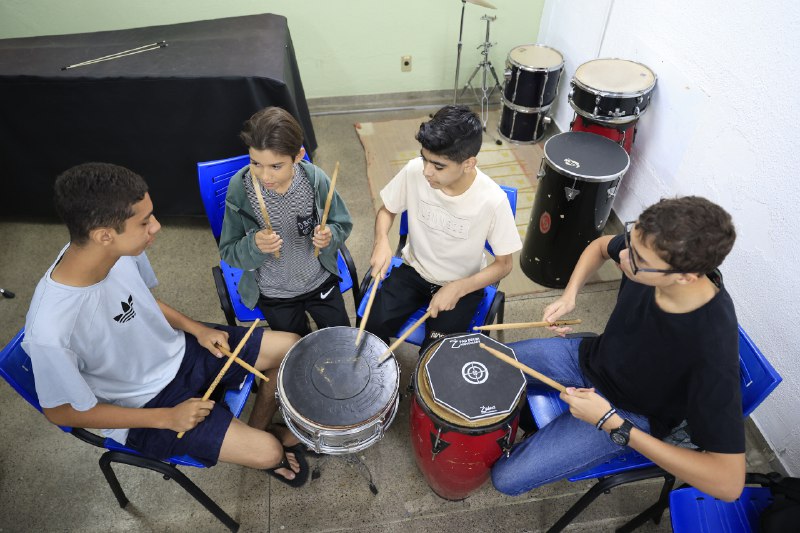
(299, 446)
(300, 477)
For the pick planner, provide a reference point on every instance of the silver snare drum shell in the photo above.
(334, 398)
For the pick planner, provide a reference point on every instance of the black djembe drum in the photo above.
(578, 180)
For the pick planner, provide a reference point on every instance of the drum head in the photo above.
(616, 76)
(466, 385)
(536, 56)
(324, 379)
(586, 156)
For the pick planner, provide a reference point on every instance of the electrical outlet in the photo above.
(405, 64)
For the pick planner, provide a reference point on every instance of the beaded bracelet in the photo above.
(606, 416)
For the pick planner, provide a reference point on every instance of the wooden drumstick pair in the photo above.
(231, 358)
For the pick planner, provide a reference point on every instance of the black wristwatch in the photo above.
(622, 434)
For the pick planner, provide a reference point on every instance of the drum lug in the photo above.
(640, 100)
(612, 191)
(507, 74)
(596, 111)
(636, 111)
(437, 444)
(505, 441)
(597, 101)
(617, 113)
(546, 120)
(540, 174)
(571, 193)
(571, 92)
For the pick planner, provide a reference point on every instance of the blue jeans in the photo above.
(566, 446)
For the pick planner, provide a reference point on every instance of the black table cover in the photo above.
(157, 112)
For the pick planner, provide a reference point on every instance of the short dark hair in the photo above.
(273, 129)
(454, 132)
(691, 233)
(96, 195)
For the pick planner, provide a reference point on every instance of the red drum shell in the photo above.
(464, 465)
(623, 136)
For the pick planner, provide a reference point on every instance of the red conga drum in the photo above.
(622, 134)
(464, 413)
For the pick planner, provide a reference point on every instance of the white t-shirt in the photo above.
(107, 343)
(446, 234)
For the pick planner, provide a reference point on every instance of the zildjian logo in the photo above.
(127, 311)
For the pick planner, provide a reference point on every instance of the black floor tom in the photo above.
(522, 125)
(532, 75)
(578, 180)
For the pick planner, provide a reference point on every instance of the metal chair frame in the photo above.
(16, 369)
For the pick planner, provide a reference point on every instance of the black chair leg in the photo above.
(170, 472)
(605, 485)
(113, 482)
(655, 511)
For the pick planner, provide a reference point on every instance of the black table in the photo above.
(157, 113)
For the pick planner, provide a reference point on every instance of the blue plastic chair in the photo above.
(693, 511)
(214, 177)
(16, 369)
(758, 380)
(491, 307)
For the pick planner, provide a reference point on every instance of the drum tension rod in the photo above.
(437, 444)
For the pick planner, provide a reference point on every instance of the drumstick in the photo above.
(243, 364)
(518, 325)
(528, 370)
(263, 207)
(328, 206)
(402, 338)
(225, 367)
(367, 309)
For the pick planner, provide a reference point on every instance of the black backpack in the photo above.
(783, 514)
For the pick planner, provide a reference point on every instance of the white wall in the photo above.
(723, 124)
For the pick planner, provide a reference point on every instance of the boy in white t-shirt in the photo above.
(107, 355)
(453, 209)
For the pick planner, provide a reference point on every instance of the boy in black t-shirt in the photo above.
(669, 354)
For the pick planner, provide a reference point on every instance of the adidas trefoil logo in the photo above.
(127, 311)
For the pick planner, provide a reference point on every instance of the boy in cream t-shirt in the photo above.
(453, 210)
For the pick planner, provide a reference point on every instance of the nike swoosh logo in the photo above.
(324, 295)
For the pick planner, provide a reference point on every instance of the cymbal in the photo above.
(482, 3)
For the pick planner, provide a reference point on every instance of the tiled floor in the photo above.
(50, 481)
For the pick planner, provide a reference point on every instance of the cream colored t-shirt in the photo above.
(446, 234)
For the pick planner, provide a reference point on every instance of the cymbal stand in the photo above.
(485, 67)
(458, 56)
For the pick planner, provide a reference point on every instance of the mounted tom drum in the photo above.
(613, 91)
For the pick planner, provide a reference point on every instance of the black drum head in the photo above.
(586, 156)
(331, 383)
(472, 382)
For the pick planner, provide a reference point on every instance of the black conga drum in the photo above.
(578, 180)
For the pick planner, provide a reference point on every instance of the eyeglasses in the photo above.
(632, 254)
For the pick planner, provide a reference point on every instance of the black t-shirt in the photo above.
(671, 367)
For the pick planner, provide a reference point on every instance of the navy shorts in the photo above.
(196, 373)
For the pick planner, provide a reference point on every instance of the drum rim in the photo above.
(625, 119)
(283, 400)
(582, 177)
(528, 68)
(524, 109)
(601, 92)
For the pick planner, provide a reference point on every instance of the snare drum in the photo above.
(622, 134)
(615, 91)
(335, 398)
(531, 84)
(464, 413)
(578, 180)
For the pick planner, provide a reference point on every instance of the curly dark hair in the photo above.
(96, 195)
(274, 129)
(691, 233)
(454, 132)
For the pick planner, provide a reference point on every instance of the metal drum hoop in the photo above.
(522, 109)
(613, 94)
(569, 173)
(513, 62)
